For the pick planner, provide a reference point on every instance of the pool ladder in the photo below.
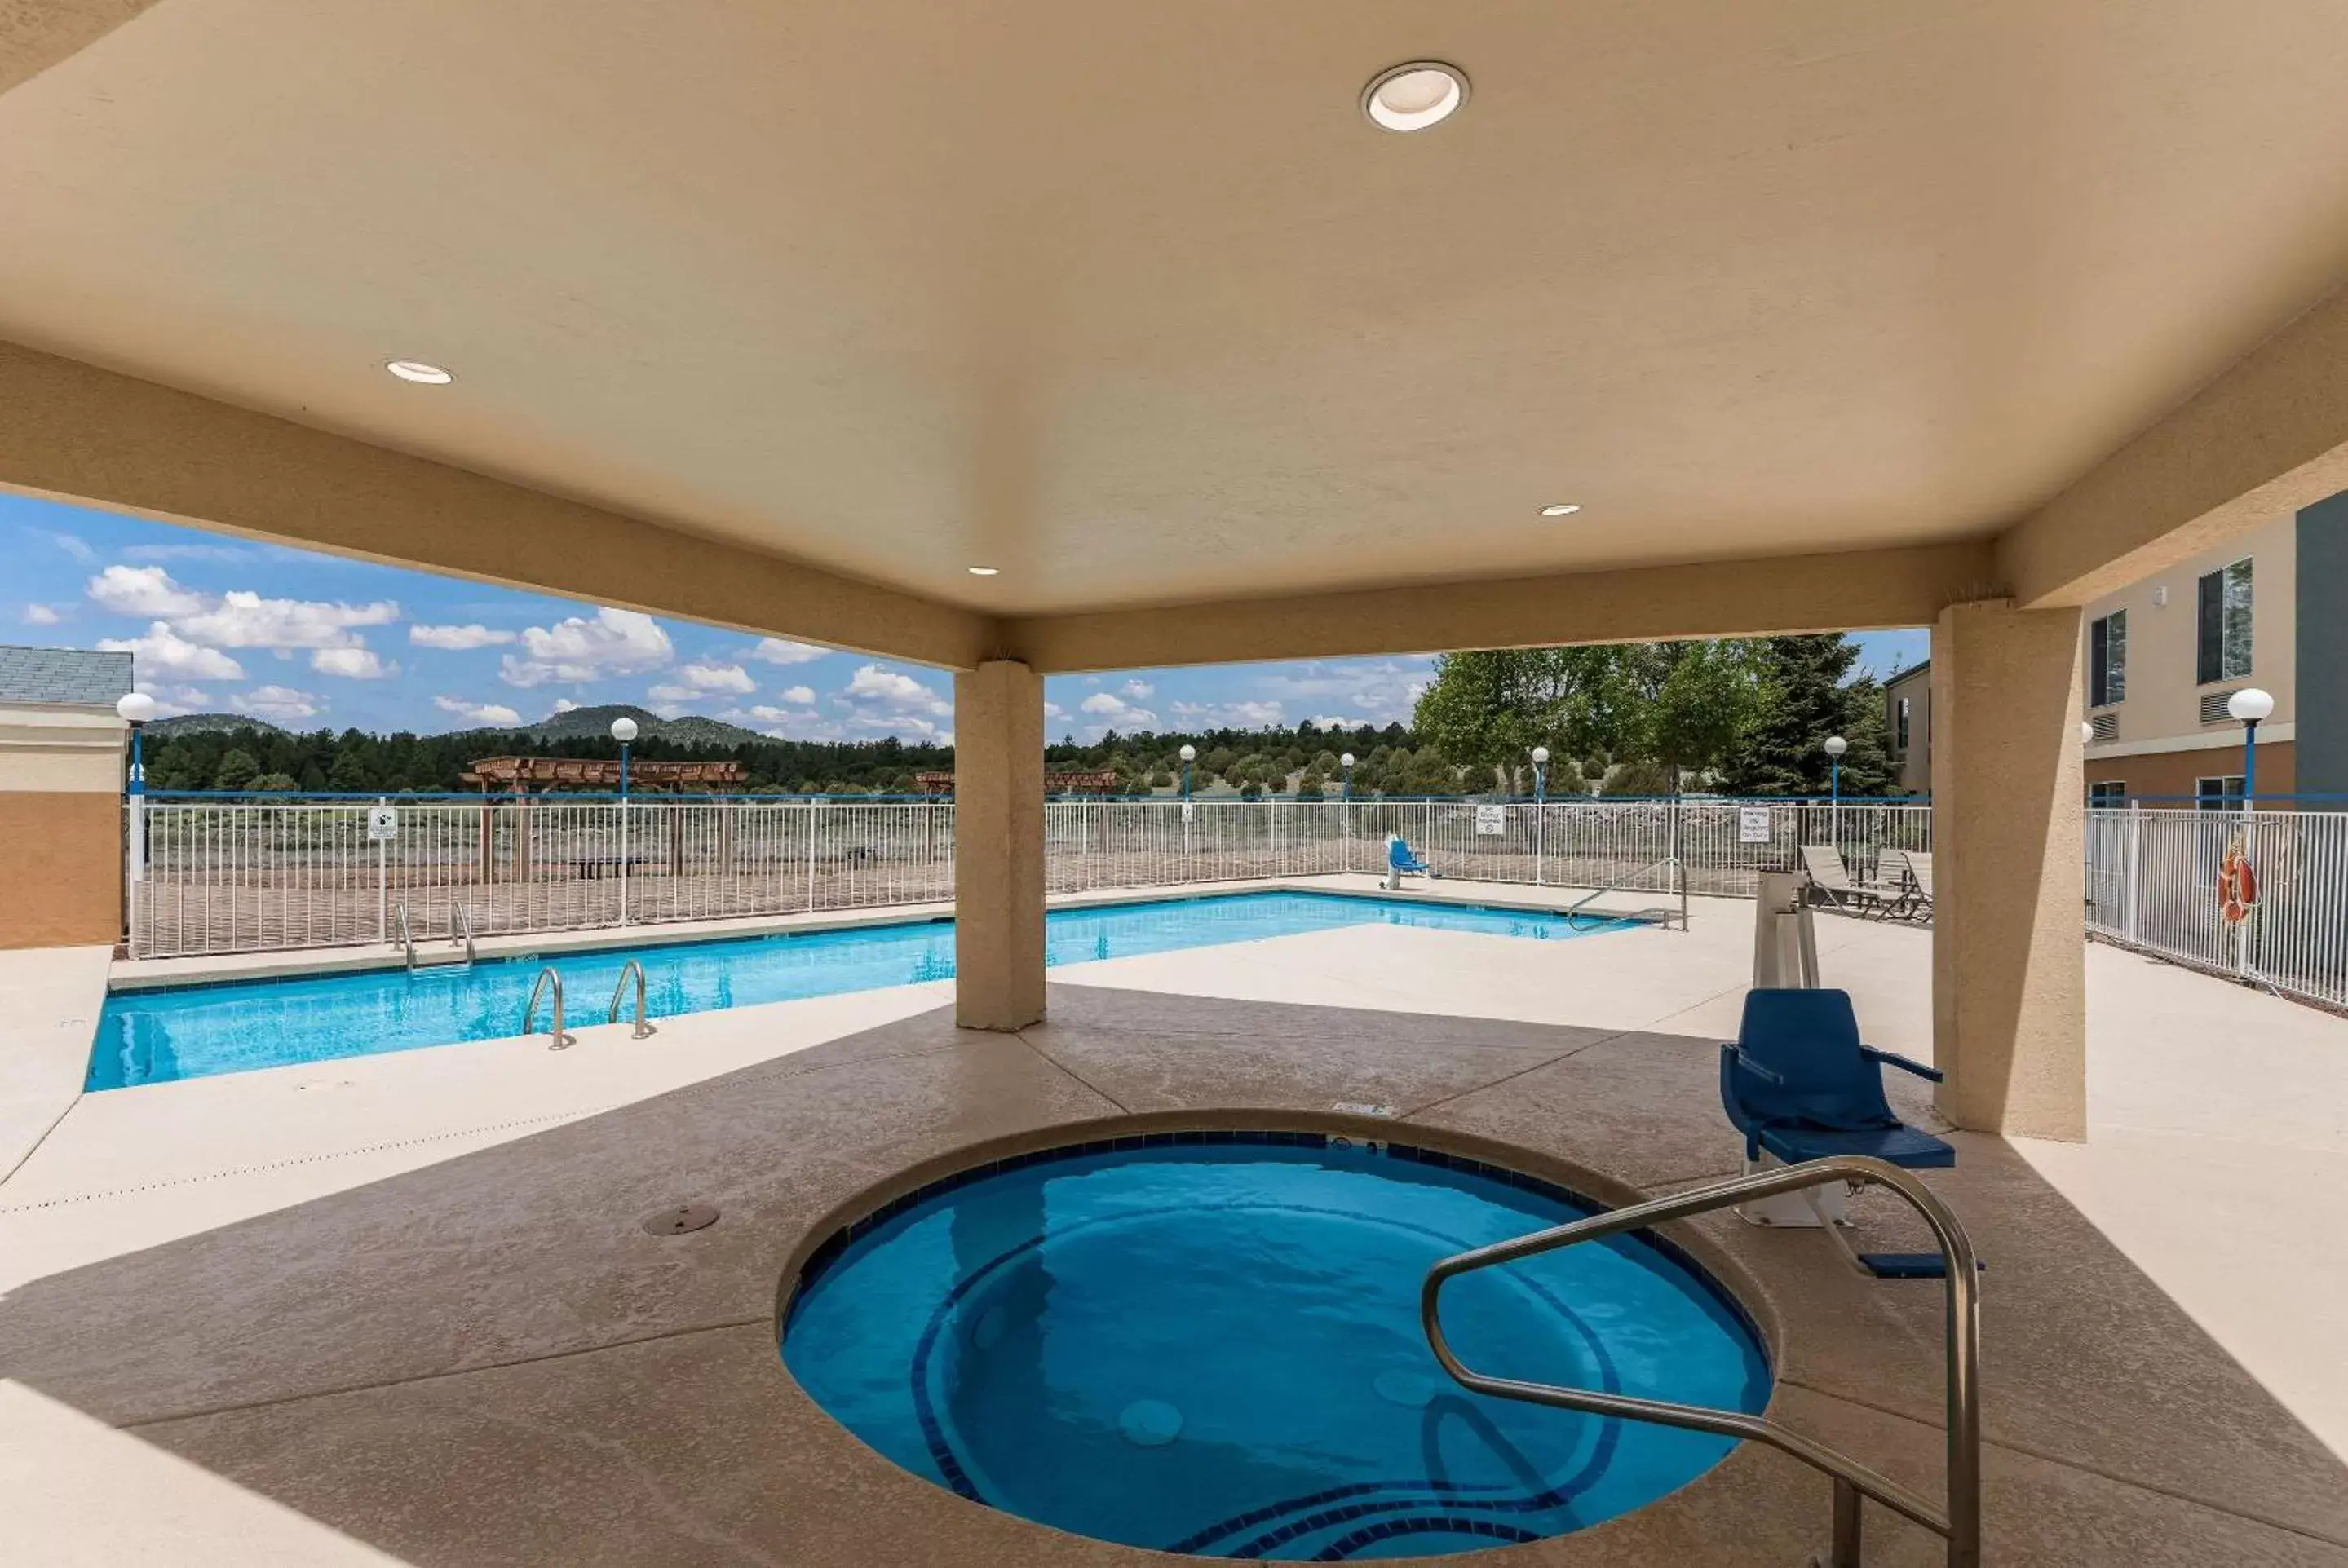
(546, 979)
(1958, 1523)
(638, 969)
(460, 929)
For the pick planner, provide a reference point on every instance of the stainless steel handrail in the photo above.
(547, 977)
(407, 937)
(632, 966)
(1959, 1523)
(461, 925)
(1579, 904)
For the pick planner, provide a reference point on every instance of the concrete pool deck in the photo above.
(401, 1305)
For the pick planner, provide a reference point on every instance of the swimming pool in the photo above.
(192, 1031)
(1210, 1343)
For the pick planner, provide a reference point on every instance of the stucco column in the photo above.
(2009, 962)
(61, 825)
(998, 846)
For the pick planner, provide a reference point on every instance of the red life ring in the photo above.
(2237, 886)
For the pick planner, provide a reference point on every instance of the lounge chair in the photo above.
(1401, 863)
(1920, 877)
(1800, 1085)
(1828, 874)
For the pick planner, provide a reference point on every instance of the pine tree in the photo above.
(1805, 698)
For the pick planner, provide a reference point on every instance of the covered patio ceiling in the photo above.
(788, 315)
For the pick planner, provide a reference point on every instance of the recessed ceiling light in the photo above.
(418, 371)
(1415, 96)
(985, 571)
(1561, 509)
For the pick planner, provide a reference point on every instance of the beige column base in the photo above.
(998, 846)
(2009, 936)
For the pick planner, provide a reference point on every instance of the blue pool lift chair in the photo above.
(1402, 862)
(1798, 1083)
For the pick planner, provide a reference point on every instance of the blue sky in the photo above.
(308, 640)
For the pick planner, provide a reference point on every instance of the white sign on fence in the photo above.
(1751, 824)
(383, 821)
(1491, 819)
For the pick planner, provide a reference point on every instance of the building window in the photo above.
(1900, 728)
(2110, 792)
(2107, 659)
(2222, 792)
(2224, 624)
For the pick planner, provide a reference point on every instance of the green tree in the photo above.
(1692, 707)
(237, 771)
(1486, 711)
(348, 771)
(275, 784)
(1807, 693)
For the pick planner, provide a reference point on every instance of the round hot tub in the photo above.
(1210, 1343)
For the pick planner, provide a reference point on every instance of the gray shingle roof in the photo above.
(63, 675)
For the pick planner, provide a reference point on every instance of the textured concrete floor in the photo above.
(454, 1345)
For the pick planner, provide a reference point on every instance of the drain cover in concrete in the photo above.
(679, 1221)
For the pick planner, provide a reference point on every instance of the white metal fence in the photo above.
(238, 876)
(2152, 883)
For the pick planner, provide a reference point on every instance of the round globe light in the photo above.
(2249, 705)
(1541, 756)
(624, 730)
(1346, 761)
(1415, 96)
(1189, 753)
(1836, 745)
(135, 708)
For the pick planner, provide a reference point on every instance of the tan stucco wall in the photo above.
(2174, 774)
(1914, 763)
(46, 748)
(60, 868)
(2009, 969)
(2163, 700)
(998, 846)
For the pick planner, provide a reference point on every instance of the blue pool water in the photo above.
(190, 1032)
(1211, 1344)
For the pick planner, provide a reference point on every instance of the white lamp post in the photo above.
(1189, 754)
(2248, 706)
(1346, 763)
(624, 730)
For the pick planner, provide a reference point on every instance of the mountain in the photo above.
(583, 723)
(209, 725)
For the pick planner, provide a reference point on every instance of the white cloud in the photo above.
(1054, 711)
(1250, 714)
(895, 689)
(672, 695)
(73, 545)
(41, 615)
(478, 713)
(1334, 722)
(580, 648)
(707, 677)
(278, 704)
(170, 702)
(1118, 713)
(777, 651)
(143, 591)
(564, 704)
(774, 716)
(1138, 689)
(457, 639)
(803, 695)
(352, 663)
(245, 619)
(164, 652)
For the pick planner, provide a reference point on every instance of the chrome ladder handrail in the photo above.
(1679, 871)
(407, 937)
(1959, 1523)
(631, 967)
(460, 926)
(547, 977)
